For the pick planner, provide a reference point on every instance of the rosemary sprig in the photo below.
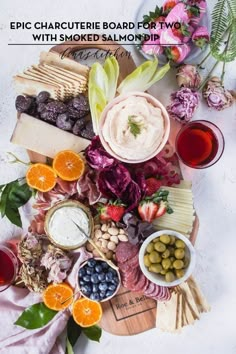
(135, 127)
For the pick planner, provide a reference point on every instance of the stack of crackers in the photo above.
(63, 78)
(184, 307)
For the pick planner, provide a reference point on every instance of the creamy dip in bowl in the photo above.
(60, 224)
(134, 127)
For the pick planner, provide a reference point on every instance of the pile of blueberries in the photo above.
(72, 115)
(97, 280)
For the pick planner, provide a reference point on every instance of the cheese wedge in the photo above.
(43, 138)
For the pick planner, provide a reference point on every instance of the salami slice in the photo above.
(150, 289)
(138, 287)
(125, 251)
(156, 291)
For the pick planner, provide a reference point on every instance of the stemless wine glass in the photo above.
(199, 144)
(9, 266)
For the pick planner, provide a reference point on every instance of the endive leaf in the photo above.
(97, 102)
(111, 68)
(159, 74)
(139, 78)
(98, 77)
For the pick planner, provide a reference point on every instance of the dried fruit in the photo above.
(64, 122)
(56, 107)
(79, 126)
(41, 177)
(58, 296)
(42, 97)
(68, 165)
(23, 103)
(86, 313)
(49, 116)
(81, 103)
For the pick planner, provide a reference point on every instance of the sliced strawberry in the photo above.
(147, 210)
(161, 209)
(173, 53)
(152, 185)
(103, 214)
(115, 212)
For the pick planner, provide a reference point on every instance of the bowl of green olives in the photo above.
(167, 258)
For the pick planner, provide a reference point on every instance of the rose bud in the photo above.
(188, 76)
(216, 96)
(183, 105)
(177, 53)
(152, 47)
(201, 36)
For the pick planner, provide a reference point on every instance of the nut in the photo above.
(114, 239)
(113, 231)
(104, 227)
(123, 238)
(97, 226)
(121, 231)
(111, 245)
(109, 255)
(106, 236)
(98, 233)
(95, 253)
(89, 247)
(104, 243)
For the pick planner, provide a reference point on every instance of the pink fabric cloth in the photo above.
(17, 340)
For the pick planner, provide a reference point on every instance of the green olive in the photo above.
(179, 244)
(166, 254)
(159, 246)
(179, 273)
(164, 271)
(165, 239)
(178, 264)
(156, 239)
(186, 262)
(154, 257)
(169, 277)
(155, 268)
(179, 253)
(146, 260)
(172, 240)
(150, 247)
(166, 263)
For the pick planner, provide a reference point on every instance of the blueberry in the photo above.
(92, 262)
(102, 295)
(82, 282)
(98, 268)
(109, 293)
(95, 288)
(115, 281)
(103, 286)
(90, 271)
(87, 278)
(112, 287)
(94, 278)
(109, 276)
(86, 290)
(113, 271)
(104, 265)
(82, 272)
(95, 296)
(101, 276)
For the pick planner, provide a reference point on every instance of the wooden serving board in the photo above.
(128, 313)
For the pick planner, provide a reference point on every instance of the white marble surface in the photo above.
(213, 188)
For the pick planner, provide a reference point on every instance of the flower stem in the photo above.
(206, 79)
(204, 59)
(17, 160)
(225, 51)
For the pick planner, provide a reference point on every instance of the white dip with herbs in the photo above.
(62, 226)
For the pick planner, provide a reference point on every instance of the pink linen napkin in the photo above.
(17, 340)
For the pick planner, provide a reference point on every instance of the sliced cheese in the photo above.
(41, 137)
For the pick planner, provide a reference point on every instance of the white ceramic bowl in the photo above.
(155, 103)
(158, 279)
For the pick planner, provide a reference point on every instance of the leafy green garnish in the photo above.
(73, 331)
(13, 196)
(111, 68)
(35, 316)
(153, 15)
(93, 333)
(135, 127)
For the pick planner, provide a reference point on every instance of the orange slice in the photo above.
(41, 177)
(58, 296)
(68, 165)
(86, 312)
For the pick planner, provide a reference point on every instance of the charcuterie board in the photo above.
(127, 313)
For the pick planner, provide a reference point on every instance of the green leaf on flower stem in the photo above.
(69, 348)
(93, 333)
(19, 194)
(35, 316)
(73, 331)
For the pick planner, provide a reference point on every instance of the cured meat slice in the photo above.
(150, 289)
(157, 290)
(125, 251)
(138, 286)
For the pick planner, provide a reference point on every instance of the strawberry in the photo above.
(115, 210)
(181, 32)
(173, 53)
(169, 5)
(102, 210)
(152, 185)
(147, 210)
(162, 208)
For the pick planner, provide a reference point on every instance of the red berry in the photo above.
(152, 185)
(115, 212)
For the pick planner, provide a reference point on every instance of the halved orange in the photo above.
(86, 312)
(41, 177)
(58, 296)
(68, 165)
